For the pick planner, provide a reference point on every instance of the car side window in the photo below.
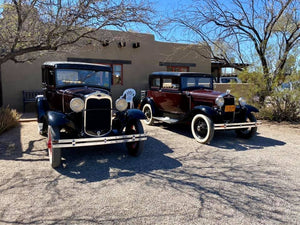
(170, 84)
(155, 83)
(51, 78)
(204, 82)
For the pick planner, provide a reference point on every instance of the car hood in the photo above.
(82, 91)
(204, 93)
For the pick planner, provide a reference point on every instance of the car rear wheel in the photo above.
(54, 153)
(247, 132)
(147, 110)
(202, 128)
(137, 147)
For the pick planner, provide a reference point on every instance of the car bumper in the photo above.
(81, 142)
(234, 126)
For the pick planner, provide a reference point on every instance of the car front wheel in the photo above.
(137, 147)
(202, 128)
(147, 110)
(247, 132)
(54, 153)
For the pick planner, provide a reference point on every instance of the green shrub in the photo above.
(280, 104)
(8, 118)
(285, 105)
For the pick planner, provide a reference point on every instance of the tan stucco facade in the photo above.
(137, 63)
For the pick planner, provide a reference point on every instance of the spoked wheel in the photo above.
(137, 147)
(54, 153)
(202, 128)
(247, 132)
(147, 110)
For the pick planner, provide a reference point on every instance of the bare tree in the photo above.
(29, 27)
(241, 26)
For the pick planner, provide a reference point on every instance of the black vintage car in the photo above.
(76, 110)
(187, 97)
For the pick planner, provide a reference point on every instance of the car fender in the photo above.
(251, 108)
(135, 114)
(149, 101)
(56, 119)
(203, 109)
(41, 107)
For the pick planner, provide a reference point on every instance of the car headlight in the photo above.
(220, 101)
(121, 104)
(242, 101)
(77, 104)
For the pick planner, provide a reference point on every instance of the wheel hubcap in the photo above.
(201, 129)
(148, 114)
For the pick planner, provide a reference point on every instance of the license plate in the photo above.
(229, 108)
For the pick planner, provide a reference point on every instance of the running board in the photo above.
(166, 119)
(231, 126)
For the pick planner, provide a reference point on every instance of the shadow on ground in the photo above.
(11, 147)
(10, 144)
(224, 184)
(112, 161)
(216, 185)
(227, 139)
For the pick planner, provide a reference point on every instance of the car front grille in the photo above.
(228, 100)
(98, 116)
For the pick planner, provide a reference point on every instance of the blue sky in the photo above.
(165, 8)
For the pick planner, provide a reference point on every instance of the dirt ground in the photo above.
(175, 181)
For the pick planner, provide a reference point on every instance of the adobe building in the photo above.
(132, 56)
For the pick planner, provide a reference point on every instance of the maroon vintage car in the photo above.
(176, 97)
(76, 110)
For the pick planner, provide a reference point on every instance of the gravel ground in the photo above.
(175, 181)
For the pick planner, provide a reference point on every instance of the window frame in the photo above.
(178, 67)
(112, 72)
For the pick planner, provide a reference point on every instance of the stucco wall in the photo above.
(144, 60)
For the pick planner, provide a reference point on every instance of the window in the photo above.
(170, 83)
(178, 68)
(51, 78)
(117, 74)
(196, 82)
(228, 71)
(155, 82)
(73, 77)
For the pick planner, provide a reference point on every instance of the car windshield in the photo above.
(196, 82)
(75, 77)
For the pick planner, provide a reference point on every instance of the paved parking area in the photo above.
(175, 181)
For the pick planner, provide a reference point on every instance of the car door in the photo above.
(171, 98)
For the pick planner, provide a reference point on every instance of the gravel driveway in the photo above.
(175, 181)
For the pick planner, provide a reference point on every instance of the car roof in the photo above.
(179, 74)
(75, 65)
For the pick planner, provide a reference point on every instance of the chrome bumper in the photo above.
(80, 142)
(231, 126)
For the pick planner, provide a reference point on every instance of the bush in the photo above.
(279, 105)
(8, 118)
(284, 105)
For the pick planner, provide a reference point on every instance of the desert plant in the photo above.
(281, 104)
(8, 118)
(285, 105)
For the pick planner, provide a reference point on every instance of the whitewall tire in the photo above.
(202, 128)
